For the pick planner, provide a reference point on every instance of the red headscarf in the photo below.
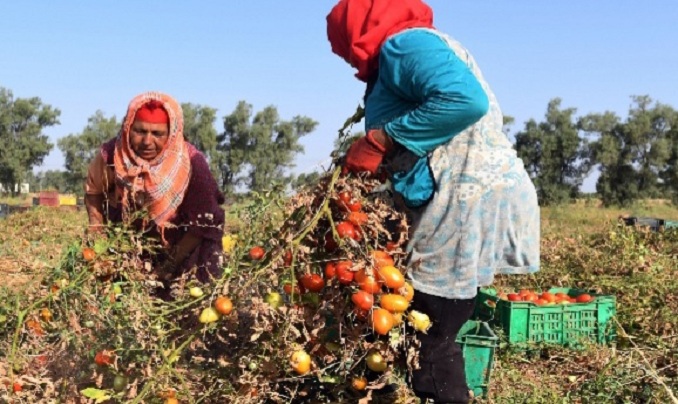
(357, 28)
(164, 179)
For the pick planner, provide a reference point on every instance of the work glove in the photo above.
(364, 155)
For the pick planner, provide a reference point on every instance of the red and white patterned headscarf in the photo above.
(164, 179)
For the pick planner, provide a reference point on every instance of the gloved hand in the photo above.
(364, 155)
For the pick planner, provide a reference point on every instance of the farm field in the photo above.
(583, 246)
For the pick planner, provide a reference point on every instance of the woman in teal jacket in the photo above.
(435, 126)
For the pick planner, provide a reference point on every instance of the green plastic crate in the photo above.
(525, 323)
(478, 343)
(670, 224)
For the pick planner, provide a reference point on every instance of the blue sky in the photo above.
(83, 56)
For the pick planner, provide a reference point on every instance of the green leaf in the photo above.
(100, 246)
(97, 395)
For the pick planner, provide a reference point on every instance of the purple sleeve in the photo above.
(201, 210)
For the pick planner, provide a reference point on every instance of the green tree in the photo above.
(258, 152)
(52, 179)
(24, 145)
(79, 149)
(200, 131)
(556, 157)
(631, 154)
(669, 175)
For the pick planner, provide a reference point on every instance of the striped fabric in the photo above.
(162, 182)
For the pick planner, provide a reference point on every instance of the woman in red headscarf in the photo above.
(150, 177)
(435, 128)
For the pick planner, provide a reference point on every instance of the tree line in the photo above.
(636, 157)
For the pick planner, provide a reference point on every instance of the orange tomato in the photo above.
(357, 218)
(391, 276)
(367, 283)
(46, 314)
(382, 321)
(300, 362)
(407, 291)
(381, 258)
(394, 303)
(359, 383)
(88, 254)
(223, 305)
(549, 297)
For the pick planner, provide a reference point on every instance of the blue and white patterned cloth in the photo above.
(483, 217)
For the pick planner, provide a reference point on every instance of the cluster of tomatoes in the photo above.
(545, 298)
(354, 259)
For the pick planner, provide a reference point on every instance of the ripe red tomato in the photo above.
(257, 253)
(363, 300)
(347, 203)
(290, 287)
(344, 273)
(584, 298)
(287, 258)
(103, 358)
(330, 270)
(346, 230)
(312, 282)
(514, 297)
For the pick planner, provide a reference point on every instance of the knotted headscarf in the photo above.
(163, 180)
(356, 29)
